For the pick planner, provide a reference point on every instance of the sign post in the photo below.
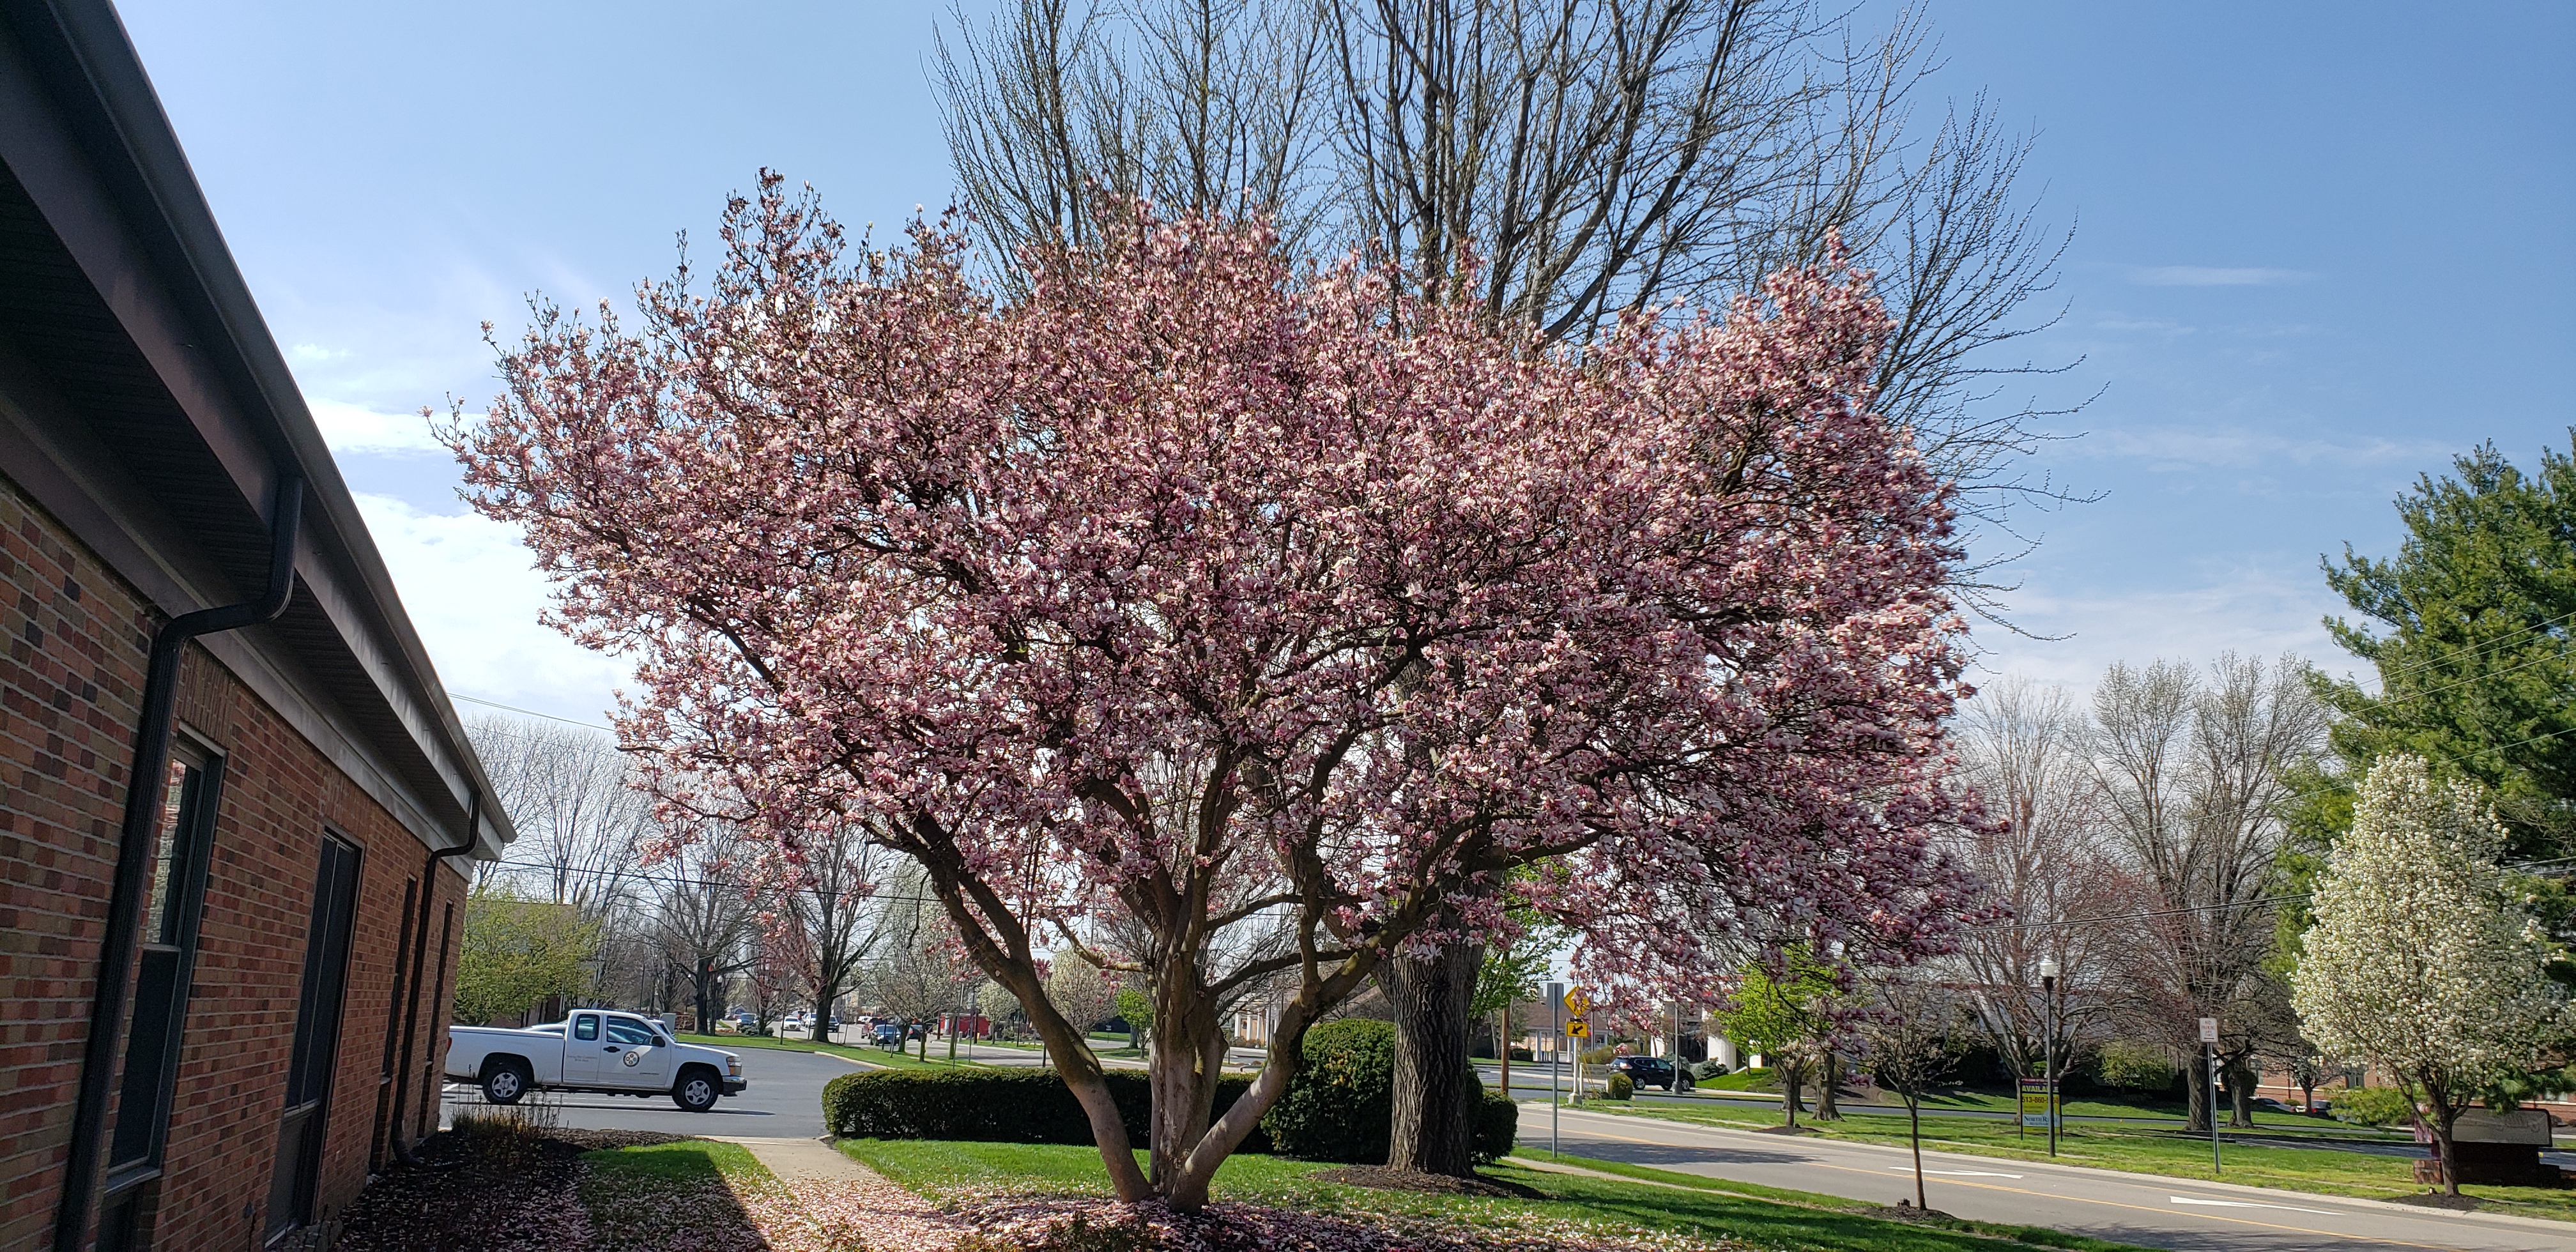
(2209, 1054)
(1577, 1026)
(1555, 1062)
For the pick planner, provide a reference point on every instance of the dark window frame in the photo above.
(322, 1006)
(165, 970)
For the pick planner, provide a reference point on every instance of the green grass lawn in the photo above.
(869, 1056)
(1684, 1205)
(673, 1194)
(2137, 1149)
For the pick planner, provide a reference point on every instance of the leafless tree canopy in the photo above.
(1602, 157)
(2190, 768)
(2024, 748)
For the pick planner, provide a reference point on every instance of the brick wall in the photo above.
(69, 683)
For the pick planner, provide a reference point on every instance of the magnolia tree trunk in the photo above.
(1829, 1075)
(1434, 1130)
(2198, 1121)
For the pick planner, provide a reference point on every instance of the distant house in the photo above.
(233, 796)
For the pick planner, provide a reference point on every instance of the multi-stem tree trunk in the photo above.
(1792, 1078)
(1434, 1131)
(2241, 1078)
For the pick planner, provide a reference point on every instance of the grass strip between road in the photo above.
(2138, 1150)
(878, 1057)
(1656, 1209)
(2038, 1235)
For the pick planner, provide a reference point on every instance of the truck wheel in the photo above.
(695, 1092)
(504, 1083)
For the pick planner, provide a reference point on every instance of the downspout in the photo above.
(135, 847)
(419, 957)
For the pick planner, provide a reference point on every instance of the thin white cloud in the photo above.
(2213, 276)
(2179, 447)
(316, 352)
(2254, 611)
(472, 591)
(356, 428)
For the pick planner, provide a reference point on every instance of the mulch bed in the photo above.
(1385, 1179)
(2437, 1200)
(500, 1192)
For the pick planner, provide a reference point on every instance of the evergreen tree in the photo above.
(2469, 628)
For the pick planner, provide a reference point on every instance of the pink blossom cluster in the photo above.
(1230, 596)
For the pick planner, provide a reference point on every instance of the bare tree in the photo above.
(704, 923)
(1907, 1036)
(2023, 746)
(2191, 773)
(834, 900)
(921, 968)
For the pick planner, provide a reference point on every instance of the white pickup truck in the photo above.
(592, 1050)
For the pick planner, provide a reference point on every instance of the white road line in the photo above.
(1963, 1173)
(2247, 1204)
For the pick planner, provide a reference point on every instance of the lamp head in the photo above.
(2048, 969)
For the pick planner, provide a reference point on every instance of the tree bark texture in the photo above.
(1434, 1083)
(1829, 1075)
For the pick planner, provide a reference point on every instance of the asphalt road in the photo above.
(2131, 1208)
(783, 1101)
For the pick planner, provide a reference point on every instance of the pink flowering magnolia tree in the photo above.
(1272, 614)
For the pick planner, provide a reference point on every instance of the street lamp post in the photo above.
(2048, 1032)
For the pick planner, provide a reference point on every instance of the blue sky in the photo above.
(2319, 250)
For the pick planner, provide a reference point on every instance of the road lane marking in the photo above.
(2248, 1204)
(1964, 1173)
(2051, 1195)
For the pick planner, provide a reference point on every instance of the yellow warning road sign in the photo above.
(1577, 1028)
(1576, 1002)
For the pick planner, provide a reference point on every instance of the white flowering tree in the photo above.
(2420, 960)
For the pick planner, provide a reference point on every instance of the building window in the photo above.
(315, 1059)
(163, 968)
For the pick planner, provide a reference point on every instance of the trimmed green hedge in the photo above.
(1340, 1107)
(995, 1105)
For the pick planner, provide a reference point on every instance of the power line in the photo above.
(2429, 662)
(454, 694)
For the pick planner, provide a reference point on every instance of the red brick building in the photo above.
(234, 800)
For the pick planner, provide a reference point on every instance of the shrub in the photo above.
(2372, 1106)
(1498, 1124)
(1595, 1056)
(1706, 1070)
(1005, 1106)
(2133, 1067)
(1620, 1087)
(1341, 1107)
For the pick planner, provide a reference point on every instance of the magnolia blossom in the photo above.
(1264, 617)
(2420, 961)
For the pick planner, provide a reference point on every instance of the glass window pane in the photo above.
(626, 1032)
(161, 922)
(585, 1027)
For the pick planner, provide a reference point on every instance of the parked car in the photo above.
(1652, 1071)
(2270, 1105)
(592, 1050)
